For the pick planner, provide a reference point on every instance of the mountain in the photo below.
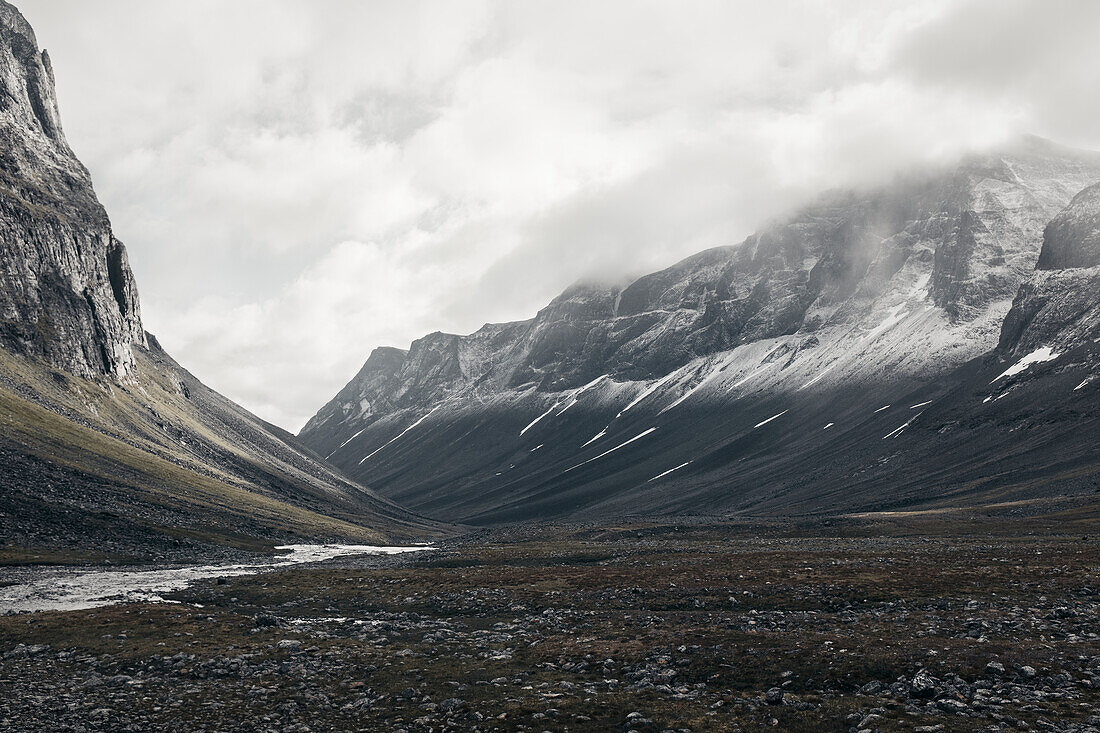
(107, 446)
(68, 295)
(1058, 307)
(837, 360)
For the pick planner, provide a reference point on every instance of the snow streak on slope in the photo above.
(540, 417)
(894, 433)
(715, 370)
(391, 440)
(662, 475)
(346, 442)
(577, 394)
(620, 445)
(647, 392)
(773, 417)
(596, 437)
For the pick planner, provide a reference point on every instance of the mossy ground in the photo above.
(527, 628)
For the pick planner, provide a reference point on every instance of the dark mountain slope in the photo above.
(753, 374)
(105, 442)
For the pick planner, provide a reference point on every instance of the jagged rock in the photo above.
(66, 291)
(923, 685)
(1058, 307)
(1072, 239)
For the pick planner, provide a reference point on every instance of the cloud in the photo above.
(1038, 57)
(300, 182)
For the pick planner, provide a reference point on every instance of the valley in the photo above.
(841, 475)
(952, 621)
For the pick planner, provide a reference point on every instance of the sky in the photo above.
(300, 181)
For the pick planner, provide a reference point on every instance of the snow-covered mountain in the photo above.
(790, 372)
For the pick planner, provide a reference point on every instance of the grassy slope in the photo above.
(162, 462)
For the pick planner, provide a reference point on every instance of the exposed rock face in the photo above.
(1058, 307)
(66, 290)
(1072, 239)
(855, 299)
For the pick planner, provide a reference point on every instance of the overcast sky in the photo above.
(299, 181)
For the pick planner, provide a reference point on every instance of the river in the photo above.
(70, 589)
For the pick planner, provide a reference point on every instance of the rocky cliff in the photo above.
(1057, 310)
(870, 293)
(66, 290)
(108, 448)
(1072, 239)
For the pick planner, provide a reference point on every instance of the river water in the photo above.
(69, 589)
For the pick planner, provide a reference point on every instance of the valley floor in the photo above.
(892, 624)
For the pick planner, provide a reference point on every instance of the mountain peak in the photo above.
(12, 20)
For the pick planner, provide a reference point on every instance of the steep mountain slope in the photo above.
(745, 378)
(106, 444)
(66, 291)
(1056, 314)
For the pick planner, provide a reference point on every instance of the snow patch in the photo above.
(330, 455)
(576, 395)
(535, 421)
(893, 318)
(1035, 357)
(773, 417)
(920, 285)
(737, 384)
(715, 370)
(596, 437)
(647, 392)
(620, 445)
(897, 431)
(662, 475)
(396, 437)
(820, 374)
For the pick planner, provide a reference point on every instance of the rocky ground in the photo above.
(870, 625)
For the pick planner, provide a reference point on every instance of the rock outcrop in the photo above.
(66, 290)
(1072, 239)
(1058, 307)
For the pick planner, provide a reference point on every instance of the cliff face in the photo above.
(1058, 307)
(66, 291)
(864, 294)
(106, 444)
(1072, 239)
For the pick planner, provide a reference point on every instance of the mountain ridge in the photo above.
(887, 290)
